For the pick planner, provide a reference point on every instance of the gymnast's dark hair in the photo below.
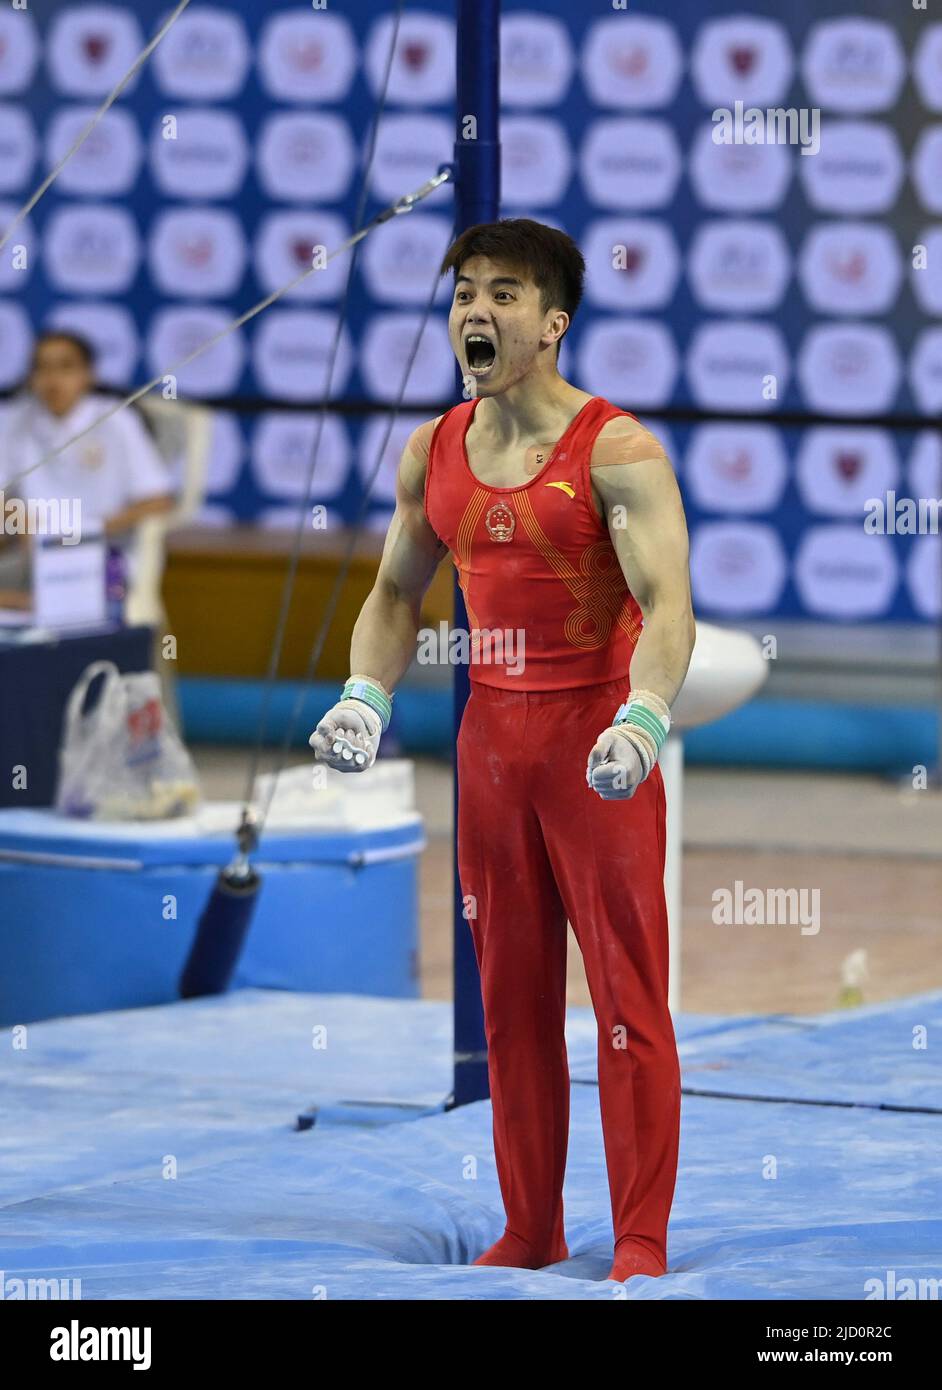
(56, 335)
(549, 258)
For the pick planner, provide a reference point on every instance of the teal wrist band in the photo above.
(637, 713)
(371, 694)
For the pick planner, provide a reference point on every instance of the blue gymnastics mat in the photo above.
(155, 1154)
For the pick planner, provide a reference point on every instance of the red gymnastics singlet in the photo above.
(535, 563)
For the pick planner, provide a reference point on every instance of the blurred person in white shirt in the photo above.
(111, 479)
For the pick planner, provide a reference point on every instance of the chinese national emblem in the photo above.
(500, 522)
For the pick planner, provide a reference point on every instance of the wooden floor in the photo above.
(872, 849)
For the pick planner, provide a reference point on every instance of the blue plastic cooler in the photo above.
(102, 916)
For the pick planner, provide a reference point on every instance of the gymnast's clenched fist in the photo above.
(614, 769)
(347, 737)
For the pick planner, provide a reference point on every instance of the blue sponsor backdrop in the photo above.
(241, 143)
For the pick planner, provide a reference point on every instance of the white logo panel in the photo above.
(536, 60)
(631, 263)
(536, 161)
(632, 163)
(305, 157)
(400, 259)
(283, 447)
(307, 57)
(742, 59)
(842, 573)
(925, 371)
(927, 67)
(739, 266)
(14, 275)
(284, 248)
(19, 50)
(737, 567)
(926, 280)
(851, 369)
(925, 466)
(853, 64)
(728, 365)
(850, 268)
(197, 252)
(858, 169)
(91, 249)
(632, 62)
(739, 178)
(384, 357)
(839, 470)
(630, 360)
(107, 163)
(176, 332)
(291, 354)
(423, 66)
(927, 168)
(17, 146)
(408, 149)
(89, 49)
(736, 468)
(207, 158)
(205, 55)
(924, 576)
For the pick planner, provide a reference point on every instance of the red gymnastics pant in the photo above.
(536, 845)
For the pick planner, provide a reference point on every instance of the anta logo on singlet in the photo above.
(567, 488)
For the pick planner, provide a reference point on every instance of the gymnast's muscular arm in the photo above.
(638, 499)
(384, 635)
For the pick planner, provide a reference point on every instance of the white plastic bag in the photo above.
(123, 760)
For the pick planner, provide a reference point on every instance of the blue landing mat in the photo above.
(879, 1056)
(774, 1199)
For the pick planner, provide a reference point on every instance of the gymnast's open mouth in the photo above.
(480, 352)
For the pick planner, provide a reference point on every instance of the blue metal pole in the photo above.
(477, 199)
